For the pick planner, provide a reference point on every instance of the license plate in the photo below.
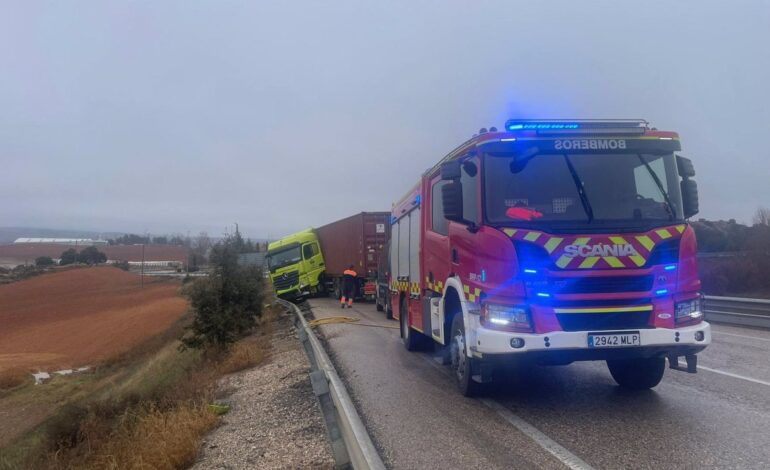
(614, 340)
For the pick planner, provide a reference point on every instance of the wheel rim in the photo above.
(458, 355)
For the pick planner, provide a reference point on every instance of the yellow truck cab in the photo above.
(296, 265)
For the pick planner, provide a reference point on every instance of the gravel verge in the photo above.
(275, 420)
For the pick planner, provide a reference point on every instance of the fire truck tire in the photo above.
(460, 363)
(637, 374)
(413, 340)
(380, 308)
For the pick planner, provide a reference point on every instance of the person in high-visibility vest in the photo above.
(348, 287)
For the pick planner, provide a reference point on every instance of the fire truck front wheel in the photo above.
(638, 373)
(460, 362)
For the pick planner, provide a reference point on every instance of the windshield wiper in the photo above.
(581, 190)
(669, 207)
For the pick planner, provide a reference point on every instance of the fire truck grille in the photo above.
(603, 321)
(286, 280)
(601, 285)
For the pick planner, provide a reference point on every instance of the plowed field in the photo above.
(81, 316)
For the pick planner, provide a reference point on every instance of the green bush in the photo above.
(91, 255)
(69, 256)
(44, 261)
(227, 303)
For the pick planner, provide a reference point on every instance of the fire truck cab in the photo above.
(552, 242)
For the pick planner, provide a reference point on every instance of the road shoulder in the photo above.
(274, 420)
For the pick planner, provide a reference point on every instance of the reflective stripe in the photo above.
(642, 308)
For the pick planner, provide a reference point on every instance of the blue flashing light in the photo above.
(537, 126)
(661, 292)
(417, 200)
(543, 294)
(530, 271)
(670, 267)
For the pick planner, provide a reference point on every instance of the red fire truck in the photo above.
(552, 242)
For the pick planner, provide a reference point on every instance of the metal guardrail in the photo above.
(738, 311)
(350, 441)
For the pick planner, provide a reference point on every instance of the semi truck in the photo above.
(550, 242)
(311, 262)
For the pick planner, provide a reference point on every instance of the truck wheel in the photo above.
(637, 374)
(321, 289)
(460, 363)
(412, 339)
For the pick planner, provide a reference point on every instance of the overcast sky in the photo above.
(168, 116)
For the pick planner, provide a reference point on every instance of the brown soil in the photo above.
(81, 317)
(19, 253)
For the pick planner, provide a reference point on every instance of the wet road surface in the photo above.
(555, 417)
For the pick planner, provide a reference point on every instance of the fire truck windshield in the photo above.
(617, 189)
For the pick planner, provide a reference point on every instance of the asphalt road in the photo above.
(555, 417)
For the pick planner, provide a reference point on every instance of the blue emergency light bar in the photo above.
(556, 125)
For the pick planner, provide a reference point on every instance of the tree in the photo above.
(762, 216)
(162, 240)
(91, 255)
(68, 257)
(44, 261)
(227, 303)
(200, 248)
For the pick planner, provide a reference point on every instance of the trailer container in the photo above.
(358, 240)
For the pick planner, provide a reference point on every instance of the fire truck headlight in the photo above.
(507, 316)
(689, 311)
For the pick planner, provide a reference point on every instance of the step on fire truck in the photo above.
(548, 243)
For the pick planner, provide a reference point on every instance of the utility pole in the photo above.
(141, 276)
(142, 266)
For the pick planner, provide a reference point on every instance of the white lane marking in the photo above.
(736, 376)
(549, 445)
(739, 336)
(552, 447)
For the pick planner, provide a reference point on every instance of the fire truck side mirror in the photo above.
(689, 197)
(450, 171)
(452, 198)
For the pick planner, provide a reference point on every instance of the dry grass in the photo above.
(144, 437)
(243, 355)
(12, 378)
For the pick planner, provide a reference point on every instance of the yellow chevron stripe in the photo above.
(509, 231)
(563, 261)
(680, 228)
(466, 289)
(589, 262)
(663, 233)
(619, 240)
(638, 260)
(532, 236)
(614, 262)
(646, 242)
(552, 244)
(582, 240)
(641, 308)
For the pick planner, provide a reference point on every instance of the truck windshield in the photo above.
(283, 257)
(630, 189)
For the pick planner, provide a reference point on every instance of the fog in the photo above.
(187, 116)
